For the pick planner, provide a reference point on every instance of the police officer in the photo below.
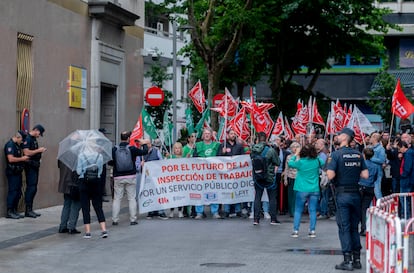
(345, 167)
(32, 149)
(15, 165)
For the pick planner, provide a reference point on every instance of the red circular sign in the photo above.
(217, 99)
(154, 96)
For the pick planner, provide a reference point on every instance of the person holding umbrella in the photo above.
(86, 152)
(89, 169)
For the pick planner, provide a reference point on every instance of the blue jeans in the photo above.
(265, 206)
(395, 185)
(324, 202)
(405, 202)
(301, 198)
(377, 189)
(70, 212)
(213, 207)
(237, 208)
(348, 215)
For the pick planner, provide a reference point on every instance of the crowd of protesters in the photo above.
(389, 160)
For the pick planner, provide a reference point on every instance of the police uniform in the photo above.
(32, 174)
(14, 178)
(347, 163)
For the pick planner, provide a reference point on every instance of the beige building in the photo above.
(74, 64)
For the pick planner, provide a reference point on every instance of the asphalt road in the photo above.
(173, 245)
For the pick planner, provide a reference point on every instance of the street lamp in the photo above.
(174, 64)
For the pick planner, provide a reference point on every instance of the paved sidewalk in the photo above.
(174, 245)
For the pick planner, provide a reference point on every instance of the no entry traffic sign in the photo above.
(154, 96)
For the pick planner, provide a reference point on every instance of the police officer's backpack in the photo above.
(123, 159)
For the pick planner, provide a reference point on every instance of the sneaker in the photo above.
(114, 223)
(199, 216)
(87, 236)
(162, 216)
(149, 216)
(171, 214)
(275, 223)
(180, 214)
(266, 215)
(216, 216)
(104, 234)
(251, 216)
(295, 234)
(255, 222)
(133, 223)
(312, 234)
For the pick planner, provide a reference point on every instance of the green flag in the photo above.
(148, 125)
(200, 125)
(189, 121)
(167, 129)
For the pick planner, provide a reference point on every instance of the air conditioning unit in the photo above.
(160, 28)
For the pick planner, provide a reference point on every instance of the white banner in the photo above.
(195, 181)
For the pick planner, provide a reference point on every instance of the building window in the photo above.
(350, 61)
(24, 74)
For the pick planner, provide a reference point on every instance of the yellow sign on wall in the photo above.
(77, 87)
(77, 97)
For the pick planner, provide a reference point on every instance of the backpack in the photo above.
(260, 166)
(123, 159)
(92, 171)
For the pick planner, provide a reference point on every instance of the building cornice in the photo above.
(112, 13)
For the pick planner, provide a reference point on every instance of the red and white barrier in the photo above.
(389, 227)
(383, 242)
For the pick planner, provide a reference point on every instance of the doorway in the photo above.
(108, 110)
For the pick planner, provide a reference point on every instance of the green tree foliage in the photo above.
(158, 75)
(216, 32)
(380, 98)
(310, 33)
(240, 41)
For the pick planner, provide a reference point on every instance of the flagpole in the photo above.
(332, 129)
(362, 133)
(225, 121)
(391, 127)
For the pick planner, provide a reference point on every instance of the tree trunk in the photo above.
(213, 88)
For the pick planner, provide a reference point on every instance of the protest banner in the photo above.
(195, 181)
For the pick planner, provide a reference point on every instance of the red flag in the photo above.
(262, 122)
(232, 104)
(339, 117)
(401, 106)
(197, 96)
(279, 126)
(240, 125)
(329, 125)
(138, 131)
(316, 117)
(288, 131)
(301, 119)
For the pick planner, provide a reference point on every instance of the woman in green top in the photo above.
(307, 163)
